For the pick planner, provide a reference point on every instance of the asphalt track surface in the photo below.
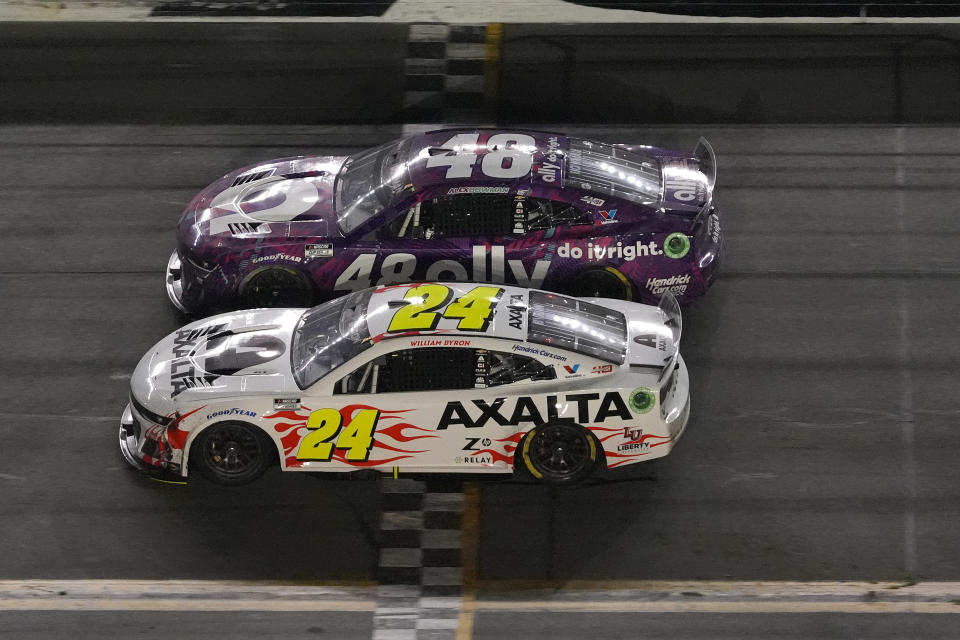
(825, 369)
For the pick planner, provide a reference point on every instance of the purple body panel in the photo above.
(647, 219)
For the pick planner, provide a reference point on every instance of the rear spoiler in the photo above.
(708, 165)
(670, 309)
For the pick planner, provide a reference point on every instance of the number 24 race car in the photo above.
(429, 377)
(534, 209)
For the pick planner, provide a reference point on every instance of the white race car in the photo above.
(420, 377)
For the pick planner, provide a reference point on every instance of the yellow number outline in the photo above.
(418, 313)
(474, 308)
(420, 316)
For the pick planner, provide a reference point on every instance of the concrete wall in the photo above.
(733, 73)
(200, 72)
(307, 72)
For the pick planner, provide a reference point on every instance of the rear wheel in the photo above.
(601, 283)
(559, 453)
(231, 453)
(276, 287)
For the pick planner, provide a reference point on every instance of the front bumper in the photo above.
(130, 439)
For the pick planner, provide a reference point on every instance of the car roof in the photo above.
(459, 310)
(386, 301)
(559, 162)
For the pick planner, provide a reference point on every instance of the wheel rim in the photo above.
(277, 288)
(599, 283)
(232, 451)
(560, 451)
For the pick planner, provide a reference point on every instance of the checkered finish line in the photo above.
(420, 571)
(451, 72)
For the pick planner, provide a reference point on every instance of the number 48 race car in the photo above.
(430, 377)
(535, 209)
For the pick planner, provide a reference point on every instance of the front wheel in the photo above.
(559, 453)
(231, 453)
(276, 287)
(600, 283)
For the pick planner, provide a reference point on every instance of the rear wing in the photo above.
(708, 165)
(670, 309)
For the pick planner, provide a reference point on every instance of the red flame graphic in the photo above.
(383, 445)
(292, 436)
(396, 432)
(287, 414)
(177, 437)
(348, 411)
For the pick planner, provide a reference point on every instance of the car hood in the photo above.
(240, 353)
(285, 197)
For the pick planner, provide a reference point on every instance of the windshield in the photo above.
(368, 182)
(328, 335)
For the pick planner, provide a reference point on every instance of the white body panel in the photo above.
(635, 409)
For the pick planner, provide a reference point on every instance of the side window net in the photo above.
(419, 369)
(478, 214)
(481, 215)
(469, 215)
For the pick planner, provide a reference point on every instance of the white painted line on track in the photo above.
(172, 589)
(738, 607)
(182, 604)
(573, 597)
(517, 11)
(179, 595)
(655, 590)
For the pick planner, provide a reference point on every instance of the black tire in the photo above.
(600, 283)
(561, 453)
(276, 287)
(232, 453)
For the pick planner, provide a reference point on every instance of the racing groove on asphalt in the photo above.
(824, 370)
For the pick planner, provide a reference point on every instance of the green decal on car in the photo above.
(642, 400)
(676, 245)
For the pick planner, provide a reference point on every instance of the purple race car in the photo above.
(534, 209)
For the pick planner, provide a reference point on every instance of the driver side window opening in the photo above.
(467, 215)
(442, 368)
